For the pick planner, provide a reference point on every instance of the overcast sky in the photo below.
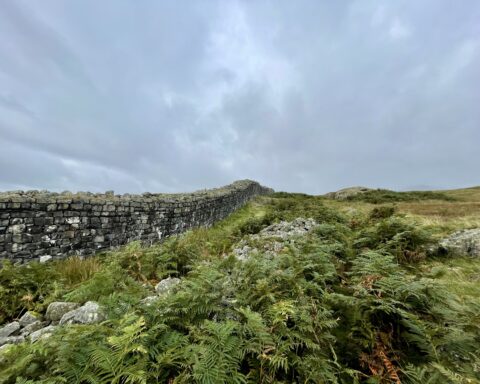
(169, 96)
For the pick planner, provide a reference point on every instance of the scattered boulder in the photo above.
(42, 333)
(28, 318)
(57, 309)
(89, 313)
(464, 242)
(30, 328)
(346, 193)
(11, 340)
(9, 329)
(166, 285)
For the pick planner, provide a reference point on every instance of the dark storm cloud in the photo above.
(170, 96)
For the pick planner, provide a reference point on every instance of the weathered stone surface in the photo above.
(166, 285)
(89, 313)
(345, 193)
(40, 225)
(9, 329)
(33, 327)
(57, 309)
(11, 340)
(28, 318)
(42, 333)
(462, 243)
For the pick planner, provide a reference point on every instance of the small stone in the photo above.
(42, 333)
(165, 285)
(28, 318)
(57, 309)
(89, 313)
(9, 329)
(46, 258)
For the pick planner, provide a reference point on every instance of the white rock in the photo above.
(275, 238)
(44, 259)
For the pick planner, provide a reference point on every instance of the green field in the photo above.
(361, 298)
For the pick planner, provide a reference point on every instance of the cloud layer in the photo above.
(302, 96)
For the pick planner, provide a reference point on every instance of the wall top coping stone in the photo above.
(43, 196)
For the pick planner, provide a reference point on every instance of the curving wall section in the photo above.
(38, 223)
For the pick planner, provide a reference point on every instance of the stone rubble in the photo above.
(274, 237)
(31, 326)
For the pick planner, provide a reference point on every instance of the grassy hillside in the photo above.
(358, 299)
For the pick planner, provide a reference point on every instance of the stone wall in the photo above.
(40, 223)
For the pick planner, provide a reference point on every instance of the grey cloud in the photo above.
(173, 96)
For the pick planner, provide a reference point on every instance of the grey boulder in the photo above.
(42, 333)
(57, 309)
(28, 318)
(166, 285)
(9, 329)
(89, 313)
(462, 243)
(11, 340)
(30, 328)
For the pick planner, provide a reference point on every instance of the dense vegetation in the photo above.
(357, 300)
(378, 196)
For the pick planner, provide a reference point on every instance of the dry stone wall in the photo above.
(39, 223)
